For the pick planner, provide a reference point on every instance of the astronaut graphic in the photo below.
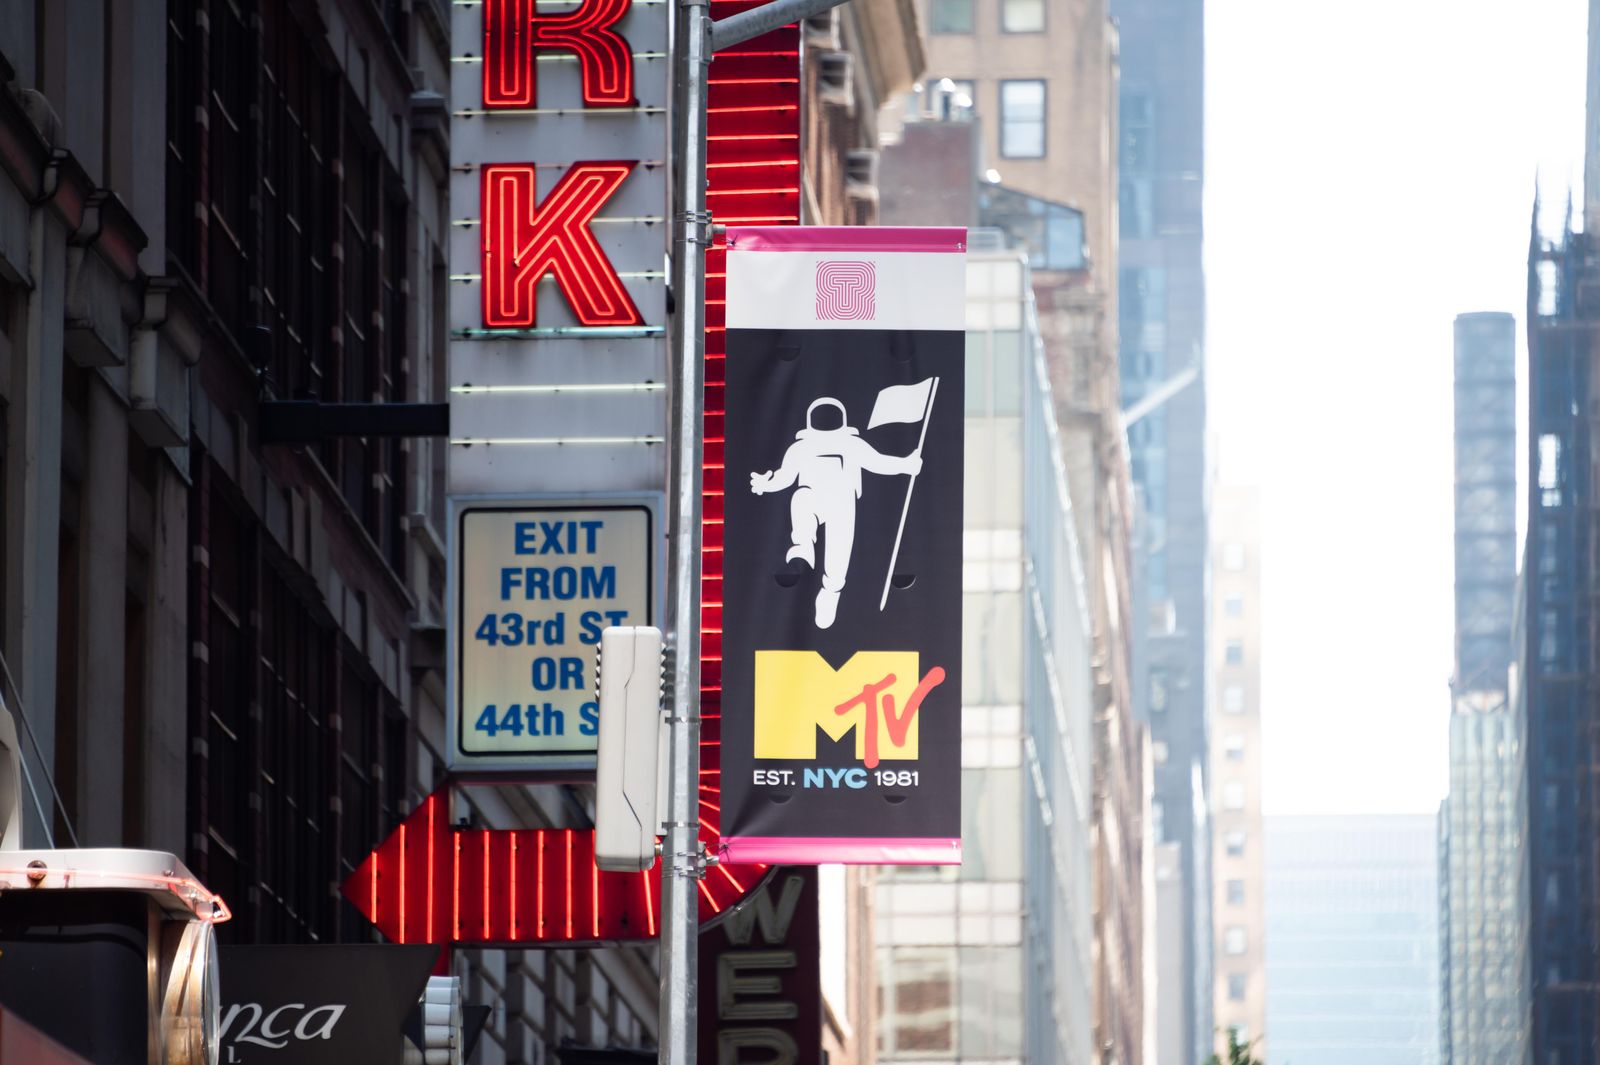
(826, 462)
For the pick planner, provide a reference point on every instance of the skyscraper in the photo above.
(1031, 85)
(1237, 887)
(1161, 326)
(1557, 660)
(1482, 960)
(1352, 940)
(992, 960)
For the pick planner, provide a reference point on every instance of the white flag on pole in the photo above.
(901, 403)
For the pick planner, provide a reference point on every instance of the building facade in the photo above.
(1352, 940)
(1161, 337)
(1238, 886)
(231, 647)
(992, 960)
(1482, 932)
(1030, 87)
(228, 647)
(1558, 655)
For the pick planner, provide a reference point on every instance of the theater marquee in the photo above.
(557, 362)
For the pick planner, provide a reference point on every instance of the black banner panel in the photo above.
(841, 618)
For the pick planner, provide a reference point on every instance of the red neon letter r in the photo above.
(514, 35)
(522, 242)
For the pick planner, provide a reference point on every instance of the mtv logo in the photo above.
(875, 693)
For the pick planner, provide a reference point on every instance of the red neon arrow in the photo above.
(430, 882)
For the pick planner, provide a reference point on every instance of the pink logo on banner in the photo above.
(847, 291)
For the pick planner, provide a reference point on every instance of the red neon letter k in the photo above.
(514, 35)
(523, 241)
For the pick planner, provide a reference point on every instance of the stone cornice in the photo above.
(24, 153)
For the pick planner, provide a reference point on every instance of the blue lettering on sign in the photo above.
(541, 719)
(556, 537)
(552, 674)
(579, 576)
(559, 582)
(826, 777)
(593, 622)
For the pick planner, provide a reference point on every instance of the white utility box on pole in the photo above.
(629, 683)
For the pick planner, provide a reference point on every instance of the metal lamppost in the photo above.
(695, 38)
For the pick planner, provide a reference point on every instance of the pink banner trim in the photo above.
(822, 850)
(848, 238)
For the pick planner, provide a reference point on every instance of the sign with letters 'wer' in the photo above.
(841, 646)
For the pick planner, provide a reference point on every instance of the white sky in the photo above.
(1369, 175)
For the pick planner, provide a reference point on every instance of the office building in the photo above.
(228, 646)
(1557, 654)
(1352, 940)
(1012, 132)
(1161, 332)
(1237, 885)
(1482, 897)
(992, 960)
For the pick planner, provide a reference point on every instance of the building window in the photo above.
(1233, 699)
(1158, 690)
(1158, 752)
(990, 1012)
(1234, 940)
(1233, 745)
(296, 244)
(231, 181)
(1237, 982)
(1235, 893)
(1233, 557)
(1233, 606)
(918, 1002)
(1022, 119)
(1233, 795)
(1234, 654)
(1022, 16)
(1234, 843)
(304, 763)
(1137, 121)
(293, 778)
(1550, 470)
(950, 16)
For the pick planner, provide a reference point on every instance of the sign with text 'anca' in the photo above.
(533, 585)
(558, 244)
(842, 534)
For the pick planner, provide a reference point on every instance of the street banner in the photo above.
(761, 975)
(841, 566)
(319, 1005)
(534, 584)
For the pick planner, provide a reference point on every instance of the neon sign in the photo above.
(514, 35)
(522, 242)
